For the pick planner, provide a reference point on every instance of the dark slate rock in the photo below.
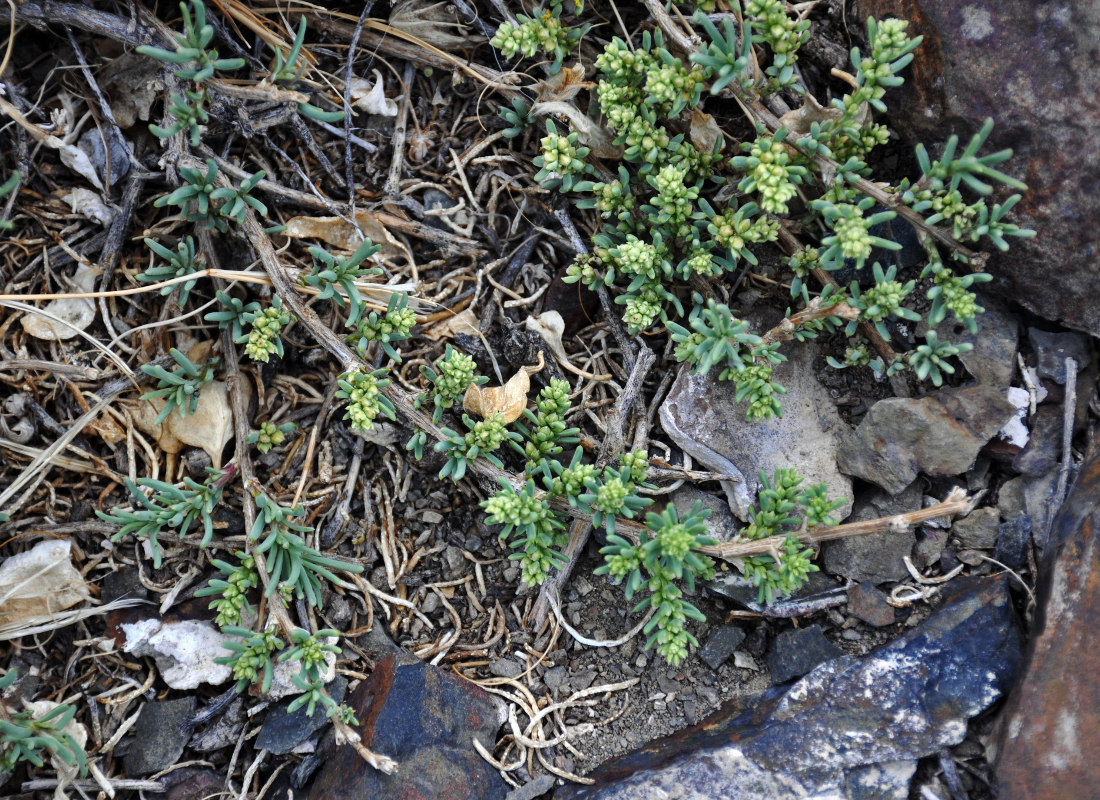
(875, 558)
(869, 604)
(424, 718)
(532, 789)
(158, 736)
(123, 582)
(939, 434)
(1035, 69)
(852, 728)
(1050, 733)
(816, 594)
(192, 783)
(1012, 539)
(92, 145)
(978, 530)
(722, 526)
(994, 342)
(799, 650)
(1052, 350)
(284, 730)
(506, 668)
(720, 645)
(1044, 445)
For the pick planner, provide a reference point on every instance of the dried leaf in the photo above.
(588, 131)
(132, 83)
(463, 322)
(90, 204)
(550, 326)
(436, 23)
(704, 131)
(799, 120)
(509, 399)
(372, 98)
(565, 85)
(210, 428)
(341, 234)
(40, 582)
(73, 314)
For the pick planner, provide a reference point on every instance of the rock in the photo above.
(223, 731)
(1034, 68)
(555, 678)
(283, 730)
(1031, 496)
(158, 739)
(453, 557)
(506, 668)
(877, 557)
(123, 582)
(703, 418)
(1012, 539)
(798, 651)
(929, 547)
(1044, 444)
(424, 718)
(817, 593)
(184, 650)
(995, 343)
(192, 783)
(533, 789)
(1050, 732)
(939, 434)
(722, 525)
(869, 604)
(852, 728)
(978, 530)
(720, 645)
(1052, 350)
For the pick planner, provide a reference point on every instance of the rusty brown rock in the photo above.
(1050, 733)
(1035, 69)
(425, 718)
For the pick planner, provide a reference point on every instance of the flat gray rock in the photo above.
(703, 418)
(939, 434)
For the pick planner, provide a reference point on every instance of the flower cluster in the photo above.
(232, 600)
(770, 171)
(392, 326)
(534, 530)
(363, 391)
(263, 339)
(542, 33)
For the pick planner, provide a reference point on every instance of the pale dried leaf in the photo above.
(132, 82)
(508, 400)
(565, 85)
(464, 322)
(704, 131)
(90, 204)
(799, 120)
(371, 98)
(66, 773)
(435, 23)
(40, 583)
(340, 233)
(75, 159)
(72, 314)
(589, 133)
(210, 428)
(550, 326)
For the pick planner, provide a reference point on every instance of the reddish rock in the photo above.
(425, 718)
(1035, 69)
(1050, 734)
(869, 604)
